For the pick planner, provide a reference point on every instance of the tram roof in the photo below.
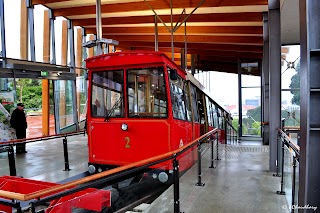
(219, 32)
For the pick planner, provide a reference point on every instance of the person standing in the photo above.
(18, 121)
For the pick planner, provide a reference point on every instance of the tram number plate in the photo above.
(127, 140)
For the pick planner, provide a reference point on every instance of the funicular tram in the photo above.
(143, 105)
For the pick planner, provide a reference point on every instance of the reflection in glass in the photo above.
(177, 99)
(65, 103)
(146, 92)
(106, 96)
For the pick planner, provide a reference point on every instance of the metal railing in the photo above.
(45, 195)
(231, 133)
(289, 173)
(8, 146)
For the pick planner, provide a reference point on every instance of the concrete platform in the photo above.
(45, 159)
(241, 183)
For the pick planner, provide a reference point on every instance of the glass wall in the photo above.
(7, 97)
(290, 83)
(251, 100)
(12, 27)
(64, 102)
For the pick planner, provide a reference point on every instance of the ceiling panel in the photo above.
(219, 30)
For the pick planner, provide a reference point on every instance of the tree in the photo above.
(295, 84)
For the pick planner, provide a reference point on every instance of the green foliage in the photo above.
(255, 114)
(29, 91)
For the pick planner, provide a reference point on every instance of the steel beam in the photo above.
(274, 82)
(265, 80)
(156, 43)
(98, 26)
(31, 30)
(309, 171)
(2, 32)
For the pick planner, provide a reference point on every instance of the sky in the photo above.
(223, 86)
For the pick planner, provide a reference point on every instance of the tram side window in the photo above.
(215, 116)
(188, 101)
(194, 103)
(209, 112)
(106, 94)
(146, 92)
(221, 119)
(177, 99)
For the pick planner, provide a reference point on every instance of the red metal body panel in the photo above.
(112, 146)
(91, 199)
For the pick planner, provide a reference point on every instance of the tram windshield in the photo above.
(147, 92)
(106, 95)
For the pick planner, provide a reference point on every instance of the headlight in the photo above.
(124, 127)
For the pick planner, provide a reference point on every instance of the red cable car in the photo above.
(142, 104)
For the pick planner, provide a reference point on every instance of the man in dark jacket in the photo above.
(18, 121)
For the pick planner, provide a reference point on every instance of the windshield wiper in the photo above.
(111, 111)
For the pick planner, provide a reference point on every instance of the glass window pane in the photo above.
(194, 103)
(107, 90)
(12, 27)
(177, 99)
(147, 92)
(251, 111)
(82, 94)
(65, 103)
(6, 107)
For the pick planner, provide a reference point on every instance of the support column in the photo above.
(182, 59)
(193, 64)
(78, 61)
(91, 50)
(274, 82)
(2, 28)
(98, 26)
(265, 80)
(31, 30)
(45, 82)
(309, 172)
(156, 44)
(23, 31)
(240, 99)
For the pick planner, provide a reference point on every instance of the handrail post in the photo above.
(32, 207)
(225, 132)
(294, 182)
(65, 152)
(199, 165)
(212, 153)
(12, 161)
(176, 191)
(217, 139)
(281, 192)
(278, 139)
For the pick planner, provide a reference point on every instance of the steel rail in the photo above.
(289, 142)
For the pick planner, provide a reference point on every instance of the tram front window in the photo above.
(147, 92)
(106, 94)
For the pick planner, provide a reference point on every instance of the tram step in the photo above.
(140, 208)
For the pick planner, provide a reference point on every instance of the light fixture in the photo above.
(124, 127)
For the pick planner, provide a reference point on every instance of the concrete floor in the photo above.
(45, 160)
(241, 183)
